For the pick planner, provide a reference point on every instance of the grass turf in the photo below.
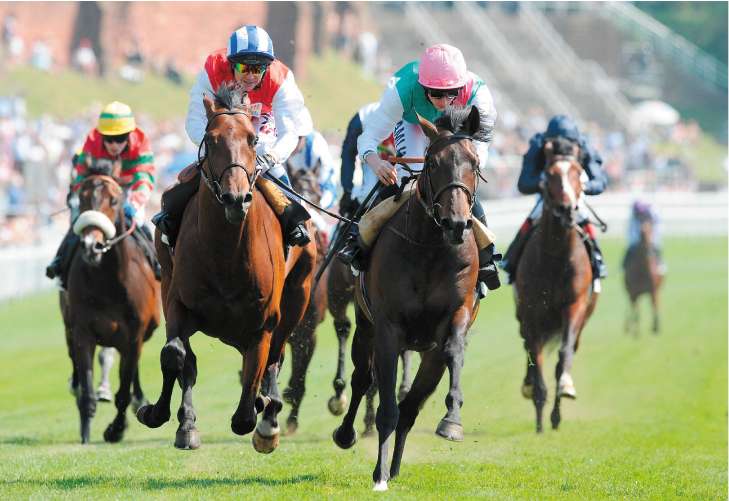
(649, 423)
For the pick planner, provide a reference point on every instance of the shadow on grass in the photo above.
(158, 483)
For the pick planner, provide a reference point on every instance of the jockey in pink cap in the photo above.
(440, 79)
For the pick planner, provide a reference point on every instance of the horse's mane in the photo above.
(453, 120)
(230, 96)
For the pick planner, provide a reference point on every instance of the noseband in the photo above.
(211, 181)
(91, 219)
(431, 205)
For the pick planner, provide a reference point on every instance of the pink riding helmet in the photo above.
(442, 67)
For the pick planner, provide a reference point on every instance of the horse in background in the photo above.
(429, 304)
(642, 275)
(112, 299)
(230, 279)
(553, 288)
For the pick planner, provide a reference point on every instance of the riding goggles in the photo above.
(121, 138)
(256, 69)
(440, 93)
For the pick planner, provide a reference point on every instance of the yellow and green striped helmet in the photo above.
(116, 118)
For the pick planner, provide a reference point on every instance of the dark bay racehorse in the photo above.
(112, 299)
(642, 276)
(553, 288)
(229, 279)
(335, 291)
(430, 303)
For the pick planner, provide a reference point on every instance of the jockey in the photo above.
(426, 88)
(529, 183)
(641, 212)
(278, 113)
(353, 196)
(116, 138)
(312, 154)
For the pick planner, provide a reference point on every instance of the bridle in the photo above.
(564, 216)
(431, 204)
(111, 242)
(210, 180)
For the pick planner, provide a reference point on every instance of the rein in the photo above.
(210, 180)
(108, 244)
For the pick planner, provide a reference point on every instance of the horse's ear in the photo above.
(548, 152)
(429, 129)
(209, 105)
(473, 122)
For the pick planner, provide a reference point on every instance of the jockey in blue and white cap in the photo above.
(276, 103)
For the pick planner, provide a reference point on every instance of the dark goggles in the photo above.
(256, 69)
(121, 138)
(440, 93)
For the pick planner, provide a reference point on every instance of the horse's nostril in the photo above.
(445, 223)
(248, 198)
(228, 198)
(98, 247)
(469, 224)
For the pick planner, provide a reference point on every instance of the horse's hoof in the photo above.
(147, 416)
(380, 486)
(343, 441)
(187, 439)
(555, 418)
(114, 433)
(566, 387)
(103, 394)
(138, 403)
(265, 445)
(450, 431)
(291, 426)
(527, 391)
(337, 405)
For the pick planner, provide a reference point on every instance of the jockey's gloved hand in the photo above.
(129, 210)
(266, 161)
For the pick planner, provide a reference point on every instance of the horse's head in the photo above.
(450, 174)
(562, 184)
(100, 201)
(230, 141)
(306, 182)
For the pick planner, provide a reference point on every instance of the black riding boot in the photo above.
(488, 274)
(515, 250)
(599, 268)
(292, 221)
(62, 261)
(146, 241)
(353, 254)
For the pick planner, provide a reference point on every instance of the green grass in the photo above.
(650, 421)
(705, 159)
(333, 90)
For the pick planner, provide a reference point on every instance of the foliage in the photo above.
(649, 423)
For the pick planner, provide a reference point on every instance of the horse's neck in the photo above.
(556, 238)
(416, 223)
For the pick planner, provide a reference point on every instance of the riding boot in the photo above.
(599, 268)
(488, 274)
(511, 259)
(291, 214)
(354, 251)
(62, 261)
(174, 202)
(146, 241)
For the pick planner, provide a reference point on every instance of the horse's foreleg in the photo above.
(386, 358)
(654, 303)
(127, 368)
(83, 354)
(254, 365)
(338, 402)
(345, 436)
(302, 342)
(426, 381)
(187, 436)
(138, 398)
(450, 426)
(369, 417)
(406, 382)
(172, 361)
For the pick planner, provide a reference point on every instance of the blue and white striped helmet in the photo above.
(250, 44)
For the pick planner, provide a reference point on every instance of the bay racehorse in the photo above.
(429, 304)
(112, 299)
(553, 287)
(642, 276)
(229, 279)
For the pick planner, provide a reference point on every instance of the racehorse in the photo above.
(553, 287)
(112, 299)
(642, 276)
(430, 303)
(335, 291)
(229, 278)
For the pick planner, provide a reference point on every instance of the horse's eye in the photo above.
(252, 140)
(114, 202)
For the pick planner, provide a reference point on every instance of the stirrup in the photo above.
(299, 236)
(489, 275)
